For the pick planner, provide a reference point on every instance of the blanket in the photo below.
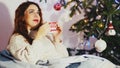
(8, 61)
(83, 61)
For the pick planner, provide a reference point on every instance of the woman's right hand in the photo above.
(43, 30)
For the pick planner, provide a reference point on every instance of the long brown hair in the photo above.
(20, 24)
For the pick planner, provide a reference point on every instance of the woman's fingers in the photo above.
(43, 30)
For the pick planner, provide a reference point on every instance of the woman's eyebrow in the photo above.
(32, 9)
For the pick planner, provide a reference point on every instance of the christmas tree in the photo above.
(101, 19)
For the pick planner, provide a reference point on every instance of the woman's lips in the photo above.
(35, 20)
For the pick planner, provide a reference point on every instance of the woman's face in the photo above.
(32, 16)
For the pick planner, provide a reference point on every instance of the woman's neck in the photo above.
(28, 28)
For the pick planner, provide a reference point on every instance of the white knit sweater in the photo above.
(42, 49)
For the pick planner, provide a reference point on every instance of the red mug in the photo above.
(53, 26)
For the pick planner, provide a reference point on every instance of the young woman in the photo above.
(31, 42)
(28, 19)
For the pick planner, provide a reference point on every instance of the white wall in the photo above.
(7, 10)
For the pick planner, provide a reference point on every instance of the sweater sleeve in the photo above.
(22, 50)
(62, 50)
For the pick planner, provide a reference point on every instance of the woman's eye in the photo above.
(31, 11)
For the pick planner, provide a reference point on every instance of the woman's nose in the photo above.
(36, 14)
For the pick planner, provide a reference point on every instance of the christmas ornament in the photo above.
(101, 25)
(73, 27)
(86, 20)
(117, 1)
(98, 17)
(57, 6)
(110, 29)
(45, 1)
(63, 2)
(100, 45)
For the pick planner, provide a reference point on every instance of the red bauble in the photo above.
(57, 6)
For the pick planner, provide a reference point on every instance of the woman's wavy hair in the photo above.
(20, 24)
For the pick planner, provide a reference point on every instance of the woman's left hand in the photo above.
(57, 34)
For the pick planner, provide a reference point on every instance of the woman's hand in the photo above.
(57, 34)
(43, 30)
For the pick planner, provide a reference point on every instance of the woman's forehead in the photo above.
(32, 7)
